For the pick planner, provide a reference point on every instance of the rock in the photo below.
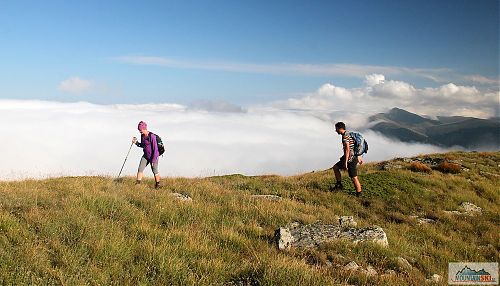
(452, 212)
(390, 166)
(273, 198)
(370, 271)
(351, 266)
(390, 272)
(435, 279)
(328, 263)
(488, 174)
(372, 233)
(181, 197)
(312, 235)
(347, 221)
(403, 264)
(432, 162)
(283, 238)
(293, 225)
(470, 209)
(422, 220)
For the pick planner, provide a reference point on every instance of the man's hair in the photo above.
(340, 125)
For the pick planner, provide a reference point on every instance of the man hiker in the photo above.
(348, 161)
(149, 145)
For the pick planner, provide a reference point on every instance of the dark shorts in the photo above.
(352, 167)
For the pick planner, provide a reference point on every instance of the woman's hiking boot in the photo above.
(157, 185)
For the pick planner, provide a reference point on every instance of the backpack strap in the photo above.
(153, 148)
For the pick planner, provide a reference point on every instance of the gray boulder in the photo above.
(313, 235)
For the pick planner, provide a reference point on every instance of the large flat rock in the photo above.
(312, 235)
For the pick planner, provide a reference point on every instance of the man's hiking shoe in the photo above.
(157, 185)
(357, 194)
(138, 182)
(337, 187)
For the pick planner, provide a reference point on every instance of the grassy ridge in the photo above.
(91, 230)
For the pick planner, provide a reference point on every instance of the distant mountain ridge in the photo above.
(445, 131)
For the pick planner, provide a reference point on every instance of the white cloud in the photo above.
(379, 95)
(482, 79)
(75, 85)
(349, 70)
(374, 79)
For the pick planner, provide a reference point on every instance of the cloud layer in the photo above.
(56, 139)
(215, 138)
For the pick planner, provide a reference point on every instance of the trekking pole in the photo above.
(125, 161)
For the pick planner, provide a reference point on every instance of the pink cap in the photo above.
(142, 126)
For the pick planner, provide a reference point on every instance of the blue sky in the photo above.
(240, 52)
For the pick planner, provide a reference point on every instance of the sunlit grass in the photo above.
(92, 230)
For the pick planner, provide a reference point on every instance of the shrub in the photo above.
(447, 167)
(419, 167)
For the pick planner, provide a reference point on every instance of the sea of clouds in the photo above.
(45, 139)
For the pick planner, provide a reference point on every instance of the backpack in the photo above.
(160, 145)
(360, 144)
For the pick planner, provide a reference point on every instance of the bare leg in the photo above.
(157, 180)
(357, 184)
(336, 170)
(139, 176)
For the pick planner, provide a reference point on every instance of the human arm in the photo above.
(346, 152)
(134, 141)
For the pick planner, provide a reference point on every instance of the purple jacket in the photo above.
(150, 147)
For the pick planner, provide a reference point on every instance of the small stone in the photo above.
(452, 212)
(470, 208)
(273, 198)
(390, 272)
(435, 279)
(404, 264)
(370, 271)
(347, 221)
(181, 197)
(351, 266)
(328, 263)
(425, 220)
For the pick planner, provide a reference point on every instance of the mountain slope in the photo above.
(91, 230)
(466, 132)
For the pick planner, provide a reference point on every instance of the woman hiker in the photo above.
(150, 147)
